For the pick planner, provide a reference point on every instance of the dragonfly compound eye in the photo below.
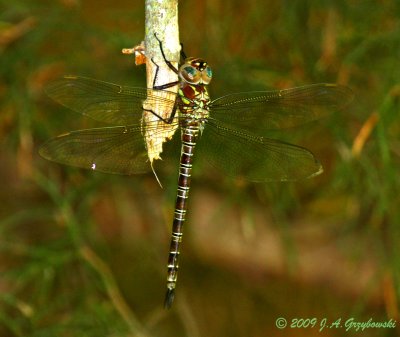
(190, 74)
(206, 75)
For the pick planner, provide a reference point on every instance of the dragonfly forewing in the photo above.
(107, 102)
(260, 111)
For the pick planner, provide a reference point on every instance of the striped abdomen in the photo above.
(189, 138)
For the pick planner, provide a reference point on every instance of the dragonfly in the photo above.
(230, 132)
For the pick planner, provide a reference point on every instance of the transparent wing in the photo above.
(107, 102)
(119, 150)
(269, 110)
(255, 158)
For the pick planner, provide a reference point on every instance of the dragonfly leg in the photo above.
(162, 86)
(169, 63)
(166, 85)
(165, 120)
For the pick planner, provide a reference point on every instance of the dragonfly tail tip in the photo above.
(169, 298)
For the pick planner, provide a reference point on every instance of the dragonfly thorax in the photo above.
(193, 102)
(195, 71)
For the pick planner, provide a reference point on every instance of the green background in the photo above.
(84, 253)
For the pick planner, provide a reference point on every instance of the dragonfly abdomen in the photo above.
(189, 138)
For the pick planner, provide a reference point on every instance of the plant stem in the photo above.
(161, 21)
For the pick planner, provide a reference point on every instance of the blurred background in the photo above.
(84, 253)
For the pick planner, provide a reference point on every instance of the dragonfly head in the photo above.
(195, 71)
